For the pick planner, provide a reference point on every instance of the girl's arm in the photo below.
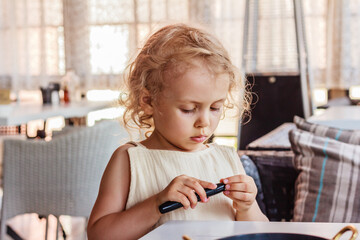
(108, 219)
(254, 213)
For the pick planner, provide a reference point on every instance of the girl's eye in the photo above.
(188, 110)
(214, 109)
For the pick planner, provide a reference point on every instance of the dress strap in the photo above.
(136, 144)
(132, 143)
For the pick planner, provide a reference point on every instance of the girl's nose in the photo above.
(202, 120)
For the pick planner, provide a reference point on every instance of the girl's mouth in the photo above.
(199, 139)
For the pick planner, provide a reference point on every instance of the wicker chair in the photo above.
(59, 177)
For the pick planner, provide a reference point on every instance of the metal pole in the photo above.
(302, 55)
(244, 58)
(245, 36)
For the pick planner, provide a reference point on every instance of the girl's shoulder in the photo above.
(125, 147)
(122, 151)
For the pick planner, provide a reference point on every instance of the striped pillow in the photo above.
(346, 136)
(328, 186)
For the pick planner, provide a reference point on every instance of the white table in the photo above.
(16, 114)
(22, 113)
(201, 230)
(345, 117)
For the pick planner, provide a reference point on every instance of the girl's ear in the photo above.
(146, 102)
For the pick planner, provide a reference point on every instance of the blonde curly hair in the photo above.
(164, 52)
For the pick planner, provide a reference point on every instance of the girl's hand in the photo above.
(242, 190)
(182, 189)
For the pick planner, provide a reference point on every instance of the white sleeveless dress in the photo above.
(152, 170)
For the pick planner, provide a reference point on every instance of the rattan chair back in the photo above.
(59, 177)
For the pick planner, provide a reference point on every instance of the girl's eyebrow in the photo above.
(184, 101)
(220, 100)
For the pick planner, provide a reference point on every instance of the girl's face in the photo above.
(189, 109)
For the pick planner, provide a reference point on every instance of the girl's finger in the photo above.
(241, 187)
(198, 186)
(240, 196)
(236, 178)
(179, 197)
(189, 193)
(206, 184)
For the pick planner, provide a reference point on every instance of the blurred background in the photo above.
(85, 45)
(62, 64)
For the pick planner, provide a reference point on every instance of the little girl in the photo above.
(179, 85)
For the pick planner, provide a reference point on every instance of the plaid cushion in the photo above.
(328, 186)
(346, 136)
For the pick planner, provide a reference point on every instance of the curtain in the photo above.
(41, 40)
(331, 28)
(343, 44)
(334, 47)
(31, 42)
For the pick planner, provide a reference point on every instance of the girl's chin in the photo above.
(193, 147)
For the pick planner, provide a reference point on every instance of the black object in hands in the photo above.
(171, 205)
